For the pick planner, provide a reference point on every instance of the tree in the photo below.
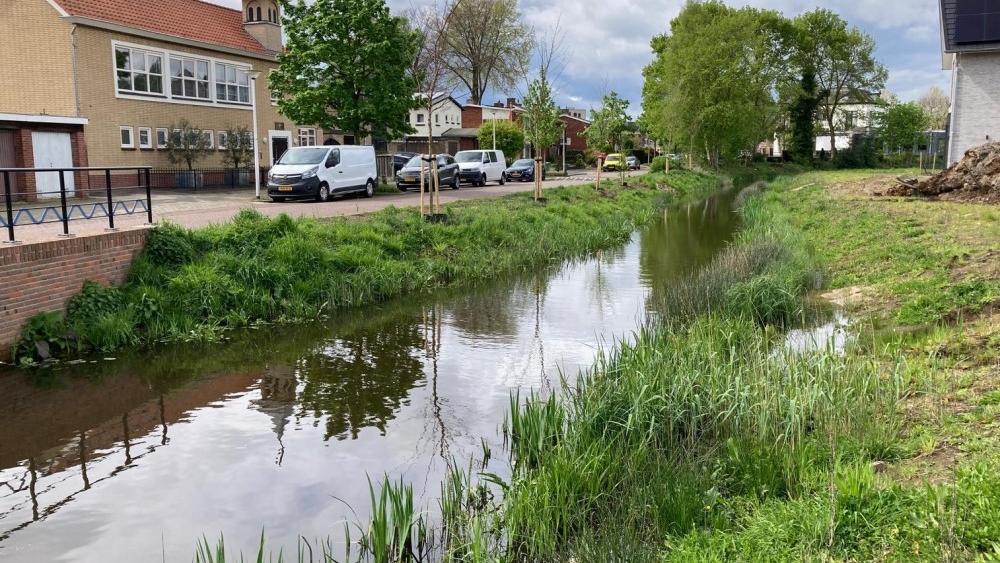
(186, 143)
(802, 113)
(542, 127)
(846, 71)
(488, 46)
(510, 137)
(238, 152)
(609, 127)
(347, 66)
(936, 105)
(900, 126)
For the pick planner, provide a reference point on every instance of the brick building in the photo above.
(101, 82)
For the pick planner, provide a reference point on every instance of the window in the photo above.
(258, 13)
(231, 84)
(161, 137)
(223, 141)
(307, 136)
(209, 140)
(145, 138)
(250, 14)
(437, 119)
(333, 159)
(139, 71)
(420, 118)
(189, 78)
(127, 141)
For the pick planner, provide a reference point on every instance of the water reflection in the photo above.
(144, 454)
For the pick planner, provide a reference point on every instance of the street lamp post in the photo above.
(254, 75)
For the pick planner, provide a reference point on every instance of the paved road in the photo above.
(200, 209)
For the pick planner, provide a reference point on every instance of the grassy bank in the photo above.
(193, 285)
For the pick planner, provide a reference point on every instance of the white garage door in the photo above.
(52, 150)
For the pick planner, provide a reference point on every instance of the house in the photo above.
(853, 116)
(575, 112)
(573, 138)
(475, 116)
(445, 115)
(970, 49)
(101, 82)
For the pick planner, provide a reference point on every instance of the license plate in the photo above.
(515, 174)
(285, 188)
(410, 180)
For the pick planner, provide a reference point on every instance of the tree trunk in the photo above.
(833, 137)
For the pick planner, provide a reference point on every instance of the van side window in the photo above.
(493, 156)
(333, 158)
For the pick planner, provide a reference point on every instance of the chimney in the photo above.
(262, 20)
(511, 102)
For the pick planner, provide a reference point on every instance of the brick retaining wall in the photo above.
(41, 277)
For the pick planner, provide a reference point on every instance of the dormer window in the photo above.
(258, 13)
(250, 14)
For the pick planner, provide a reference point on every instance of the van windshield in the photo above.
(303, 155)
(474, 156)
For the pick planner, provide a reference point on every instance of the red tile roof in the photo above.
(186, 19)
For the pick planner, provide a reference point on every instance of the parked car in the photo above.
(632, 162)
(400, 159)
(522, 170)
(614, 162)
(408, 176)
(317, 172)
(481, 166)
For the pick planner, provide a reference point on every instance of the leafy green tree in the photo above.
(609, 126)
(542, 127)
(489, 46)
(843, 59)
(186, 143)
(509, 136)
(900, 126)
(802, 114)
(238, 152)
(347, 65)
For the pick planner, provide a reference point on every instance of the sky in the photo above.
(607, 41)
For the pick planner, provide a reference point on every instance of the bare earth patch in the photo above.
(845, 296)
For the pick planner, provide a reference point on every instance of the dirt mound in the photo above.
(977, 174)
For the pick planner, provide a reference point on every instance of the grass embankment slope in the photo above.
(706, 441)
(192, 285)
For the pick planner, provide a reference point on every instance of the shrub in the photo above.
(659, 164)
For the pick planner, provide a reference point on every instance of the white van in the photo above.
(318, 172)
(481, 166)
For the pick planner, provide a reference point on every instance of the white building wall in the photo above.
(975, 102)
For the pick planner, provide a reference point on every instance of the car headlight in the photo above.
(310, 173)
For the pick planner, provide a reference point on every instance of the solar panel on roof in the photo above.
(970, 28)
(977, 21)
(992, 27)
(965, 7)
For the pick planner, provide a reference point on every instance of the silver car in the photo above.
(632, 162)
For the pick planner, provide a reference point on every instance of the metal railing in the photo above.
(23, 206)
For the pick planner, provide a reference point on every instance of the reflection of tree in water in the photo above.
(491, 312)
(361, 379)
(686, 239)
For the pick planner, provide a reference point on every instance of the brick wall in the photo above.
(36, 66)
(41, 277)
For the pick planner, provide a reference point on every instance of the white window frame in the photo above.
(305, 134)
(146, 53)
(240, 75)
(210, 137)
(149, 138)
(131, 137)
(183, 59)
(223, 140)
(167, 96)
(166, 137)
(420, 119)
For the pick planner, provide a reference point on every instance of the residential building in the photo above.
(475, 116)
(573, 138)
(575, 112)
(970, 49)
(101, 82)
(445, 115)
(852, 117)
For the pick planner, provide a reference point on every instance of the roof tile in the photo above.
(186, 19)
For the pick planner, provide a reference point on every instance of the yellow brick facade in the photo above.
(108, 111)
(36, 60)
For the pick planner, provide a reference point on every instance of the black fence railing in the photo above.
(205, 178)
(35, 196)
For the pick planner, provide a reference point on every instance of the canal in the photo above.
(135, 457)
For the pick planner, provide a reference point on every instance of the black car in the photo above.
(522, 170)
(408, 176)
(400, 159)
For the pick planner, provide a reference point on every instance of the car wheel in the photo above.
(482, 180)
(454, 182)
(323, 193)
(501, 179)
(370, 188)
(401, 187)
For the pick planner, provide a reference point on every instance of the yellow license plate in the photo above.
(515, 174)
(410, 180)
(285, 188)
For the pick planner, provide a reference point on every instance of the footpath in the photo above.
(201, 209)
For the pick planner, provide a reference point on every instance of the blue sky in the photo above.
(607, 41)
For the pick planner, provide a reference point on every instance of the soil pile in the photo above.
(978, 174)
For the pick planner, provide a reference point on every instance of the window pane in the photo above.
(122, 59)
(139, 83)
(220, 91)
(175, 67)
(202, 70)
(188, 69)
(156, 84)
(220, 72)
(230, 74)
(155, 64)
(177, 87)
(143, 137)
(232, 93)
(242, 78)
(138, 61)
(161, 137)
(124, 80)
(203, 90)
(245, 95)
(189, 89)
(126, 136)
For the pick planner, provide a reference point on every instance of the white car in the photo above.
(318, 172)
(480, 166)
